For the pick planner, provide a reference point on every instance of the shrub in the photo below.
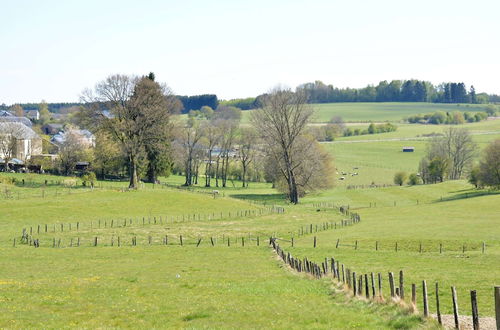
(400, 178)
(413, 179)
(89, 178)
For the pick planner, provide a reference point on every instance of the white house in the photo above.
(33, 114)
(85, 137)
(18, 141)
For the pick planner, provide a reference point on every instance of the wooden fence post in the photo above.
(475, 316)
(414, 294)
(455, 307)
(391, 284)
(314, 241)
(367, 290)
(373, 284)
(355, 289)
(424, 297)
(380, 285)
(438, 310)
(401, 285)
(497, 305)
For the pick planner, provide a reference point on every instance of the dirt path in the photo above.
(485, 323)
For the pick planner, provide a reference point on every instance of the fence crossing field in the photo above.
(165, 256)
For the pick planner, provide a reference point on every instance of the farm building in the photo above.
(408, 149)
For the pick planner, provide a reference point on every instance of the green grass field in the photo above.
(389, 111)
(237, 281)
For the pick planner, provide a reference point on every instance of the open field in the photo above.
(379, 156)
(383, 111)
(157, 287)
(164, 286)
(204, 262)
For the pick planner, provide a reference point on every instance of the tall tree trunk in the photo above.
(294, 194)
(217, 173)
(244, 174)
(151, 174)
(133, 173)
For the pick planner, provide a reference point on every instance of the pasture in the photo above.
(165, 256)
(379, 111)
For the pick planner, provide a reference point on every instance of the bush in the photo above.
(414, 179)
(89, 178)
(7, 180)
(400, 178)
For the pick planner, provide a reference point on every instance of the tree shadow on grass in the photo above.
(467, 193)
(262, 198)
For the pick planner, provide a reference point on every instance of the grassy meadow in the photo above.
(224, 275)
(379, 111)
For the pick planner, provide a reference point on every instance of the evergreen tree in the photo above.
(472, 95)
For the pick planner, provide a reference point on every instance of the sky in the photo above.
(53, 50)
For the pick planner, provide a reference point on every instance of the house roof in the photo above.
(4, 113)
(22, 120)
(32, 112)
(60, 137)
(18, 130)
(55, 126)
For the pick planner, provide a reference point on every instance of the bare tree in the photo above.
(187, 146)
(212, 137)
(72, 150)
(281, 122)
(229, 129)
(456, 148)
(17, 110)
(10, 133)
(246, 152)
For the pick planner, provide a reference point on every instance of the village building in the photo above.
(33, 114)
(85, 137)
(23, 141)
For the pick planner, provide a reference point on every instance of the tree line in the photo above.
(395, 91)
(318, 92)
(137, 130)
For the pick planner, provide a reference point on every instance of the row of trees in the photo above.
(394, 91)
(132, 118)
(448, 157)
(451, 157)
(450, 118)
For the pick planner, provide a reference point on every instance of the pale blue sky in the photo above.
(52, 50)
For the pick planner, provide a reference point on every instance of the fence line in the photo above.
(354, 283)
(150, 220)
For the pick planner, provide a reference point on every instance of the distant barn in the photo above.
(408, 149)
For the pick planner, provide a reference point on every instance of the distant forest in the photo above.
(318, 92)
(397, 91)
